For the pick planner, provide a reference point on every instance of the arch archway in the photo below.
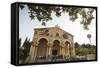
(42, 48)
(56, 48)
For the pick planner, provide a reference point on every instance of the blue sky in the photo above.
(26, 26)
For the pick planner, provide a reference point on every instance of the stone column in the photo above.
(65, 50)
(49, 51)
(31, 54)
(35, 55)
(60, 50)
(61, 47)
(73, 50)
(63, 53)
(68, 46)
(70, 50)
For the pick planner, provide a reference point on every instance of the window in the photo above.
(44, 32)
(57, 35)
(47, 32)
(65, 36)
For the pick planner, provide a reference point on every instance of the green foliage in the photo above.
(85, 49)
(21, 6)
(24, 50)
(43, 13)
(76, 45)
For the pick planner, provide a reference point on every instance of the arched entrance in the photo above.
(56, 48)
(42, 48)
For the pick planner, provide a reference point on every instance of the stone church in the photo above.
(51, 44)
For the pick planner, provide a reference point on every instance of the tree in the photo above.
(43, 13)
(24, 50)
(83, 45)
(76, 44)
(88, 45)
(89, 37)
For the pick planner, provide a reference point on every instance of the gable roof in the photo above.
(53, 27)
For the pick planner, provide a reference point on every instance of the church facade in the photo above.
(51, 44)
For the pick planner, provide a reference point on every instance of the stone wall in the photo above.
(66, 47)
